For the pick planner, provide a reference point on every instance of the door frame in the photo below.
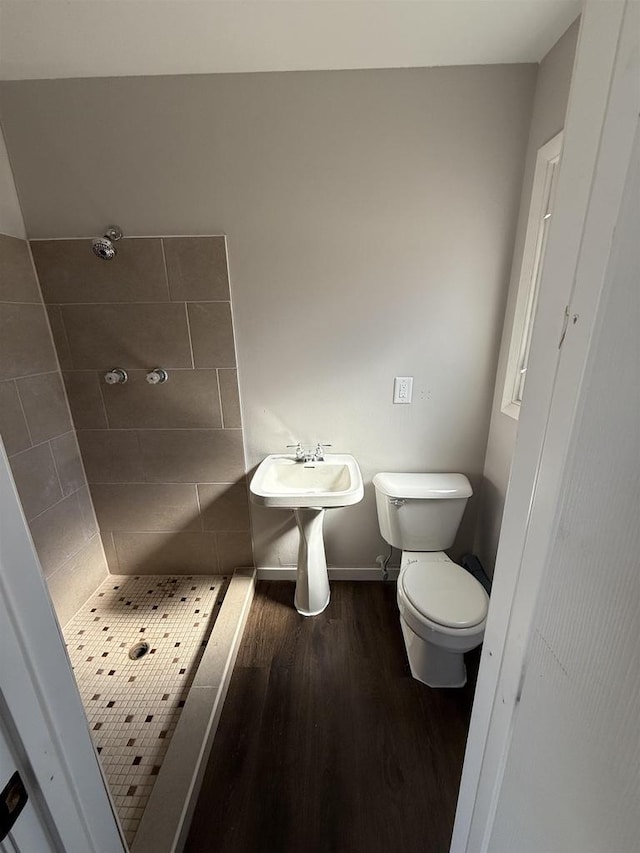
(40, 702)
(598, 138)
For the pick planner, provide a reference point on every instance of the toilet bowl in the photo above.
(443, 612)
(443, 608)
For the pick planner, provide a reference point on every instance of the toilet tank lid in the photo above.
(424, 486)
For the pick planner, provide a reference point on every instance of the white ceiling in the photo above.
(100, 38)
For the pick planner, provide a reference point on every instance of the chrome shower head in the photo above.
(103, 246)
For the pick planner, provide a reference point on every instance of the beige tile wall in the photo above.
(165, 463)
(38, 434)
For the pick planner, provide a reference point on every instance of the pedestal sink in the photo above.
(308, 488)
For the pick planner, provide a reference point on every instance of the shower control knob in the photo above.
(116, 376)
(157, 376)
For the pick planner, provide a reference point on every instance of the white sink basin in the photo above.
(308, 488)
(281, 481)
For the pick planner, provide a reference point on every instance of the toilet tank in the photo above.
(421, 512)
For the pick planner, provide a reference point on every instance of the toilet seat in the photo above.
(443, 592)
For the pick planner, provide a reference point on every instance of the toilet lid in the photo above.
(445, 593)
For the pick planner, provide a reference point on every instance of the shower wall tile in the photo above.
(36, 479)
(25, 343)
(59, 334)
(18, 282)
(110, 551)
(167, 553)
(146, 507)
(85, 399)
(63, 530)
(234, 549)
(197, 268)
(111, 456)
(77, 579)
(70, 272)
(130, 336)
(230, 398)
(224, 507)
(212, 334)
(37, 431)
(45, 406)
(188, 400)
(192, 456)
(165, 463)
(66, 455)
(13, 426)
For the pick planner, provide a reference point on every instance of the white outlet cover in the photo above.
(402, 389)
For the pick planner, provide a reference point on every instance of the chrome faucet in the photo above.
(318, 453)
(303, 455)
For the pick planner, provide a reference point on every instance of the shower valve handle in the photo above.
(116, 376)
(157, 376)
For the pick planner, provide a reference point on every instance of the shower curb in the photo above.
(166, 819)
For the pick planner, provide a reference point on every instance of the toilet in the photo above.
(443, 608)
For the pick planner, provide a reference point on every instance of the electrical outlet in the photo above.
(402, 389)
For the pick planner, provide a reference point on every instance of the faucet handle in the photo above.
(298, 449)
(157, 376)
(319, 451)
(116, 376)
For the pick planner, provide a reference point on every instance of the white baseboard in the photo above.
(361, 573)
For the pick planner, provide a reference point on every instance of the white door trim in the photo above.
(40, 698)
(599, 132)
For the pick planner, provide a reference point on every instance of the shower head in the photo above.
(103, 246)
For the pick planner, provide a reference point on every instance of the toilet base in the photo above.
(433, 665)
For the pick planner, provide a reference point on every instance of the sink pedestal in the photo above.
(312, 584)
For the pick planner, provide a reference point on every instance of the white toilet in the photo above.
(443, 608)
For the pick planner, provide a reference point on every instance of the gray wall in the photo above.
(370, 219)
(549, 110)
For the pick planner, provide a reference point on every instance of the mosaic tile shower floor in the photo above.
(133, 706)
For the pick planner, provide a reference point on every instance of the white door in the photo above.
(30, 831)
(43, 732)
(598, 139)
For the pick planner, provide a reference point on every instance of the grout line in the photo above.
(166, 271)
(126, 237)
(114, 549)
(72, 556)
(127, 302)
(220, 398)
(137, 369)
(40, 443)
(162, 482)
(64, 332)
(215, 544)
(199, 508)
(24, 415)
(55, 464)
(104, 404)
(33, 375)
(64, 498)
(18, 302)
(186, 314)
(162, 429)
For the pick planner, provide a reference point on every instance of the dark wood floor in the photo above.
(326, 743)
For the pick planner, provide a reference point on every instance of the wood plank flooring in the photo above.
(326, 744)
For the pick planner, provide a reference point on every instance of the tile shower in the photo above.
(135, 646)
(135, 494)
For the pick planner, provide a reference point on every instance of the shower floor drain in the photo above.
(138, 650)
